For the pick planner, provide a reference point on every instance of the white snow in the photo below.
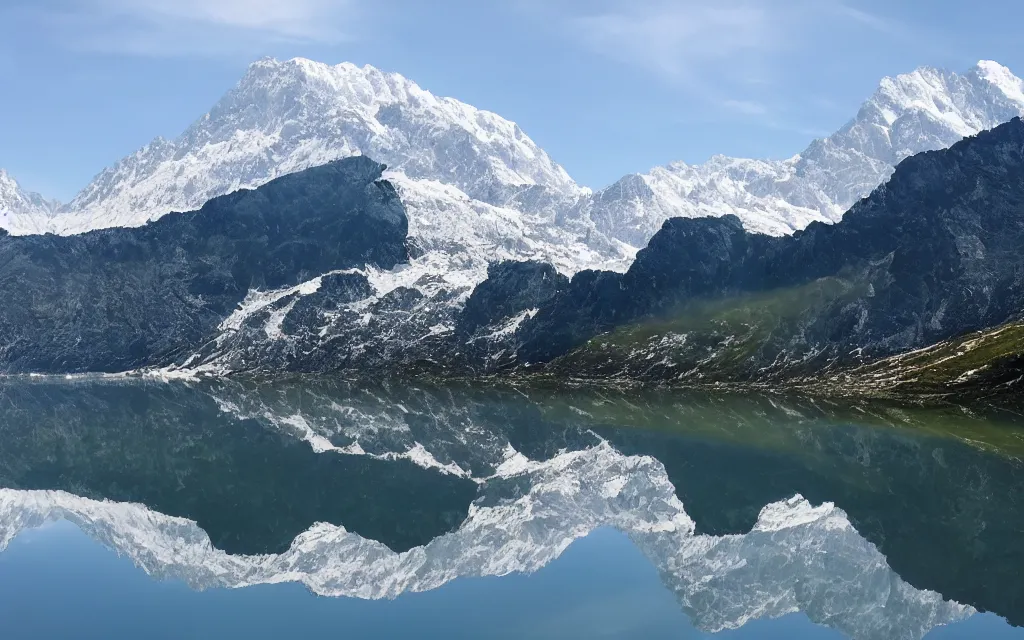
(919, 111)
(475, 184)
(285, 116)
(21, 211)
(511, 325)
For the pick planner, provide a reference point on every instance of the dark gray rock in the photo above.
(510, 288)
(120, 299)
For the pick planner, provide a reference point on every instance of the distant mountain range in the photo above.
(292, 115)
(288, 116)
(474, 274)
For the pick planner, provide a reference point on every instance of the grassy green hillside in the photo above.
(718, 339)
(982, 363)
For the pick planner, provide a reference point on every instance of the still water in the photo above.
(264, 510)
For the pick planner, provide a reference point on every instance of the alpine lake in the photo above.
(134, 508)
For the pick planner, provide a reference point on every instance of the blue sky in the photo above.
(607, 87)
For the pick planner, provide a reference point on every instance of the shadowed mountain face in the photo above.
(930, 255)
(119, 299)
(480, 481)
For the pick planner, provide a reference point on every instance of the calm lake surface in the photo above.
(267, 510)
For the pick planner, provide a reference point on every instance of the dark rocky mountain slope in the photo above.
(294, 277)
(119, 299)
(931, 255)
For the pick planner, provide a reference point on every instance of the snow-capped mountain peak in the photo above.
(1002, 78)
(478, 190)
(23, 211)
(931, 108)
(923, 110)
(285, 116)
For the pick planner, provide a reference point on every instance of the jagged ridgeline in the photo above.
(121, 299)
(288, 278)
(930, 256)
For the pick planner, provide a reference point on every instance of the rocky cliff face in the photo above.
(119, 299)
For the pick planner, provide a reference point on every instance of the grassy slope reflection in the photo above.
(935, 488)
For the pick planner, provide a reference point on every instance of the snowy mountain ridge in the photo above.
(286, 116)
(21, 211)
(477, 190)
(924, 110)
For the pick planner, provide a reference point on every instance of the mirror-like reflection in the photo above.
(875, 521)
(252, 489)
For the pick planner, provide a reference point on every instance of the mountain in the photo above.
(23, 211)
(473, 183)
(318, 271)
(924, 110)
(117, 299)
(287, 116)
(929, 256)
(456, 161)
(484, 210)
(476, 189)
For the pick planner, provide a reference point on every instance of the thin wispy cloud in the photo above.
(196, 27)
(747, 107)
(678, 37)
(730, 54)
(674, 38)
(871, 20)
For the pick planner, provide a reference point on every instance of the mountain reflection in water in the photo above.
(874, 520)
